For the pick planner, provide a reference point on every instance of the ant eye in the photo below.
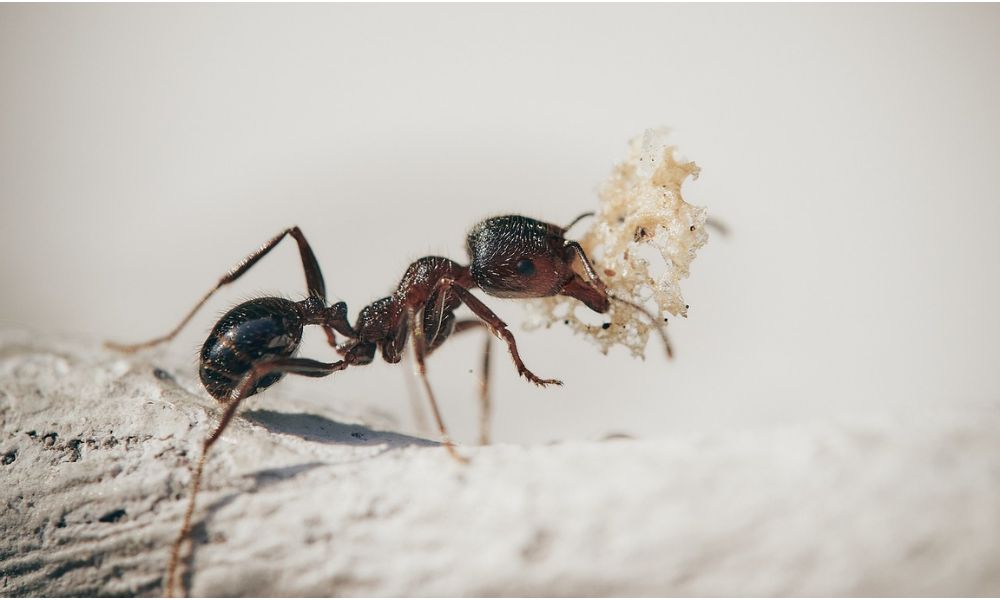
(526, 267)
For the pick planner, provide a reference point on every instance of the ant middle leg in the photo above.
(244, 389)
(419, 345)
(485, 410)
(314, 283)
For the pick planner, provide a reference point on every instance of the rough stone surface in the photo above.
(95, 451)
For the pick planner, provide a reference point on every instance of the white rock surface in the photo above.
(96, 449)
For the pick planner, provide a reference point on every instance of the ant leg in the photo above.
(419, 344)
(331, 338)
(298, 366)
(485, 411)
(314, 282)
(420, 422)
(499, 329)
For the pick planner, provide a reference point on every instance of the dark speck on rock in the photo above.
(113, 516)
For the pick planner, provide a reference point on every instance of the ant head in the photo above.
(519, 257)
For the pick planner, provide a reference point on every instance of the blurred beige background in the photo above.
(853, 151)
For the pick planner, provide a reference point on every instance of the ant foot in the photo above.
(535, 379)
(450, 447)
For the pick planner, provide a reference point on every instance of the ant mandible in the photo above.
(254, 344)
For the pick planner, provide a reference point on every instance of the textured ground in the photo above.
(95, 451)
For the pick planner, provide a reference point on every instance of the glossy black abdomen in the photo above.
(255, 330)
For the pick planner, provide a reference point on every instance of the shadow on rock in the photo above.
(309, 427)
(199, 529)
(315, 428)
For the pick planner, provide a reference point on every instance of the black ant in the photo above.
(254, 344)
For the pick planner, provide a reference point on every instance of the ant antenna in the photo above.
(578, 219)
(720, 227)
(660, 327)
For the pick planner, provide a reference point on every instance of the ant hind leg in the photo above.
(314, 282)
(245, 388)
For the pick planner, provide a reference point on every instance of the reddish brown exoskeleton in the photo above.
(254, 344)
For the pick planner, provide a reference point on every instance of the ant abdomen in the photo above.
(256, 330)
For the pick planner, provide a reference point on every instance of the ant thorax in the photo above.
(641, 241)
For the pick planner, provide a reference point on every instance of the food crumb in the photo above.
(640, 209)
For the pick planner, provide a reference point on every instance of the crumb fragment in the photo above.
(641, 212)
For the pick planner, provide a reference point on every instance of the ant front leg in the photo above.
(245, 388)
(314, 283)
(498, 328)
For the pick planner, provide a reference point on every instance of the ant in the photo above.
(254, 344)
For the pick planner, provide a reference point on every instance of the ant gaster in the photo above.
(254, 344)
